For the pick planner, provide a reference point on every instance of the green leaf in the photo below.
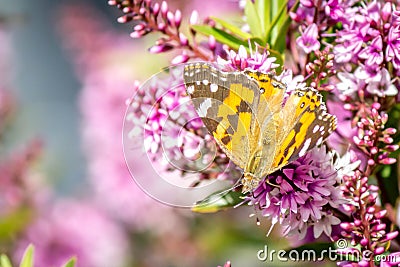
(218, 201)
(27, 259)
(70, 263)
(264, 13)
(232, 28)
(279, 43)
(14, 222)
(279, 17)
(5, 261)
(221, 36)
(253, 19)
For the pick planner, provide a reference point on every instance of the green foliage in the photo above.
(233, 29)
(14, 222)
(5, 261)
(221, 36)
(268, 22)
(218, 201)
(28, 259)
(70, 263)
(254, 20)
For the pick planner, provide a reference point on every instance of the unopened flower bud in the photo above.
(374, 150)
(194, 18)
(392, 148)
(364, 242)
(183, 39)
(124, 19)
(156, 9)
(212, 43)
(164, 9)
(161, 26)
(171, 18)
(139, 27)
(379, 250)
(386, 11)
(178, 18)
(346, 226)
(180, 59)
(390, 131)
(390, 236)
(376, 105)
(155, 49)
(379, 227)
(387, 161)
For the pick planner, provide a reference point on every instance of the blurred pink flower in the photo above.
(20, 187)
(107, 84)
(75, 228)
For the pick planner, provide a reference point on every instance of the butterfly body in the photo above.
(253, 122)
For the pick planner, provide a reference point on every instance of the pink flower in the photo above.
(308, 41)
(349, 84)
(255, 61)
(75, 228)
(373, 53)
(106, 68)
(393, 44)
(335, 10)
(381, 85)
(20, 187)
(304, 189)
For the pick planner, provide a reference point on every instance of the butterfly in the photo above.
(259, 128)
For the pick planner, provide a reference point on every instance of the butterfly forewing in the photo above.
(225, 102)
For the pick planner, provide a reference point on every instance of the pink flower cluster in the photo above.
(350, 50)
(303, 194)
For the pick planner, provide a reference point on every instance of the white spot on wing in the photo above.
(316, 128)
(205, 82)
(203, 108)
(190, 89)
(305, 147)
(319, 141)
(213, 87)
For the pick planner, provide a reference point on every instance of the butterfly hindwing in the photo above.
(307, 125)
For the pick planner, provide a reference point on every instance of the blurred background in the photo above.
(67, 68)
